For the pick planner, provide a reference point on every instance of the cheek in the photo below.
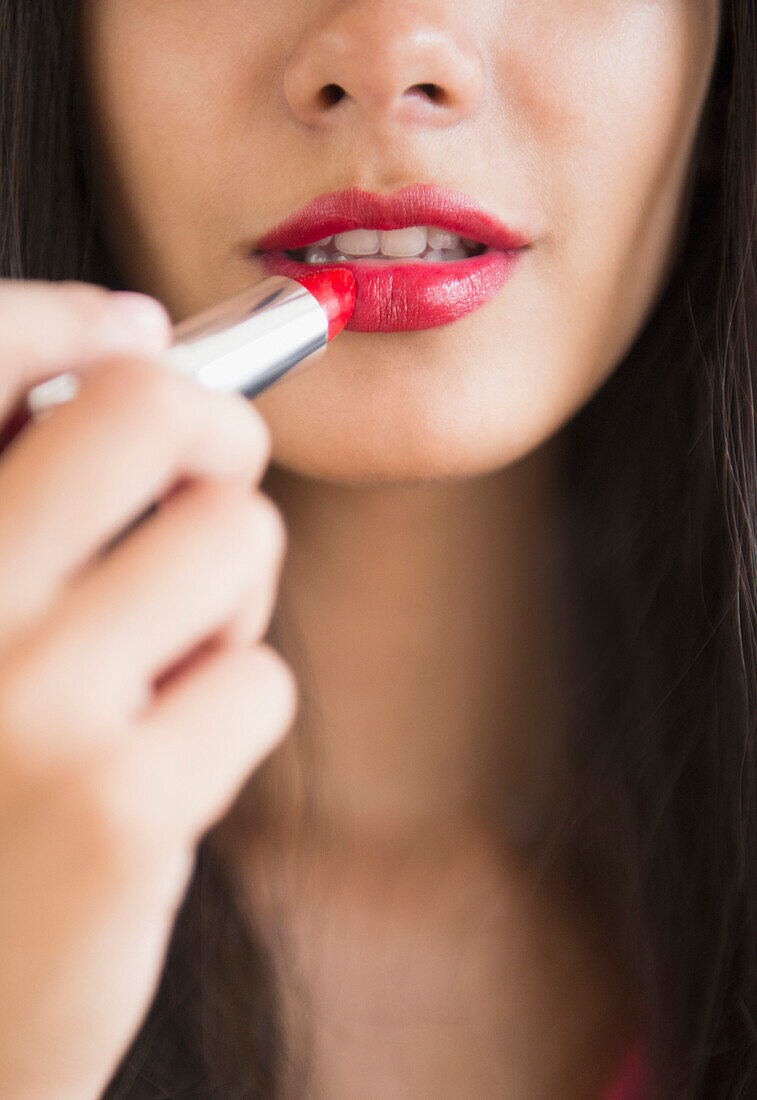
(613, 107)
(173, 100)
(590, 118)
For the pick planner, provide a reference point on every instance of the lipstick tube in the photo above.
(242, 344)
(246, 342)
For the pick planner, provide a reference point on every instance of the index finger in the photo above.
(47, 327)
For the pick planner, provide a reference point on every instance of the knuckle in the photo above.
(152, 397)
(142, 386)
(89, 304)
(262, 439)
(250, 520)
(269, 526)
(115, 375)
(227, 501)
(280, 680)
(250, 622)
(142, 390)
(250, 432)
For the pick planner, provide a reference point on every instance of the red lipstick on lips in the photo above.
(404, 296)
(335, 290)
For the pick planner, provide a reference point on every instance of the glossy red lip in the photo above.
(403, 296)
(421, 204)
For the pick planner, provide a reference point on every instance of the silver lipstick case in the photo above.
(242, 344)
(250, 340)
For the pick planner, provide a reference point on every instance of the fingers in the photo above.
(207, 731)
(71, 482)
(81, 322)
(179, 578)
(108, 641)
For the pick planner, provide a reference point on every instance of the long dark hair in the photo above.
(658, 511)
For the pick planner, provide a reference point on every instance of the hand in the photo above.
(136, 695)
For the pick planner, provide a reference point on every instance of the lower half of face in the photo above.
(573, 124)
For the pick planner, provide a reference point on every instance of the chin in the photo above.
(373, 470)
(394, 453)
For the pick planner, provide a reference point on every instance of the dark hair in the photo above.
(658, 512)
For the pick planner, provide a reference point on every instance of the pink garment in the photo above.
(629, 1082)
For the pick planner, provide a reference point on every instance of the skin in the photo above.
(125, 698)
(415, 470)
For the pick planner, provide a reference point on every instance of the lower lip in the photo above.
(410, 296)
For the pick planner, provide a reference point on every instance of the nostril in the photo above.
(331, 94)
(430, 91)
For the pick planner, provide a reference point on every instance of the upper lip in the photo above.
(420, 204)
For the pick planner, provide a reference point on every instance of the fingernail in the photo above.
(143, 313)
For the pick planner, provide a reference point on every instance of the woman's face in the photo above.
(571, 121)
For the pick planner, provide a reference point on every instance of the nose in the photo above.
(388, 60)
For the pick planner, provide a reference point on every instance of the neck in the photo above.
(418, 619)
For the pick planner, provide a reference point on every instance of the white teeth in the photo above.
(358, 242)
(421, 243)
(440, 238)
(404, 242)
(315, 255)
